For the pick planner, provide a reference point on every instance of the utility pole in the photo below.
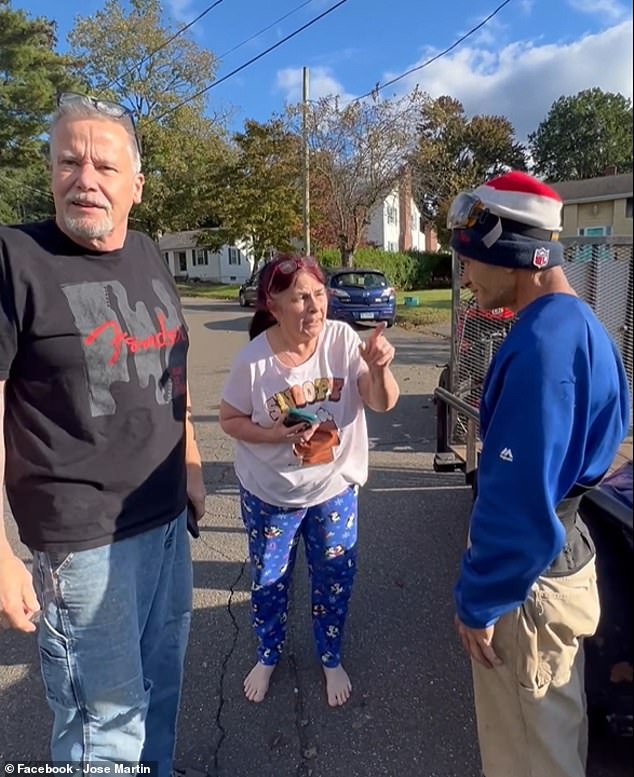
(306, 163)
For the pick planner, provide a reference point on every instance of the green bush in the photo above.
(405, 271)
(433, 270)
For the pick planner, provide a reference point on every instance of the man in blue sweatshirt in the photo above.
(554, 410)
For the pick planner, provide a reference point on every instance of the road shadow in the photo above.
(197, 305)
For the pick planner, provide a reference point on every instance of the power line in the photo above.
(162, 46)
(456, 43)
(253, 59)
(21, 185)
(264, 29)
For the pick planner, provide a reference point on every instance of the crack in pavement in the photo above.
(223, 670)
(301, 722)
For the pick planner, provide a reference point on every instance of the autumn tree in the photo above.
(257, 191)
(31, 73)
(583, 136)
(454, 153)
(126, 55)
(358, 152)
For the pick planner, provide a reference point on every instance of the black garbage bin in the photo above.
(607, 510)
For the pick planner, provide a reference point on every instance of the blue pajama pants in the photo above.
(329, 530)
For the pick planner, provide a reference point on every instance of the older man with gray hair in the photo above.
(98, 454)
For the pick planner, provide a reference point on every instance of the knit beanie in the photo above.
(517, 224)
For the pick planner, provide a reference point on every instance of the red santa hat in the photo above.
(520, 197)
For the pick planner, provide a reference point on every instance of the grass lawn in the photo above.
(434, 307)
(434, 304)
(207, 290)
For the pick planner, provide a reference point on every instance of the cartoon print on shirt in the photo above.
(319, 449)
(309, 395)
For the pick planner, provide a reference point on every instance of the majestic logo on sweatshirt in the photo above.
(506, 454)
(124, 343)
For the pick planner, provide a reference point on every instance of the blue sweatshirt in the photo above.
(554, 410)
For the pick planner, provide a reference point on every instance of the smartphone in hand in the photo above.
(192, 523)
(296, 416)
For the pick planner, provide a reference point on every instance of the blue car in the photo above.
(360, 296)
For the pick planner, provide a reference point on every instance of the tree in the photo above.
(358, 152)
(257, 193)
(583, 136)
(454, 153)
(117, 49)
(30, 75)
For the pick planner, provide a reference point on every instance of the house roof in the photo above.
(176, 240)
(606, 187)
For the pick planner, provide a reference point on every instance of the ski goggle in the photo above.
(465, 211)
(107, 107)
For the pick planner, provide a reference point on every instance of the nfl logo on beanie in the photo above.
(527, 231)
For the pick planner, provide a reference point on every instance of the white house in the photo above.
(187, 258)
(395, 223)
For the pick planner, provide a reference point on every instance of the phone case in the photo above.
(296, 416)
(192, 523)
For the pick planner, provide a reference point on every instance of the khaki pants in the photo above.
(531, 711)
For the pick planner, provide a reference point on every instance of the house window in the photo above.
(201, 256)
(594, 231)
(628, 208)
(598, 250)
(392, 215)
(166, 258)
(234, 256)
(181, 258)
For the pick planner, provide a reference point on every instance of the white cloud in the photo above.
(178, 9)
(610, 10)
(321, 83)
(523, 79)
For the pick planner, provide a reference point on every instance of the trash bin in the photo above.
(607, 510)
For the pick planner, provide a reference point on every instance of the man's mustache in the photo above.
(82, 199)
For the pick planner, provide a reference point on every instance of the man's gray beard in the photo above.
(88, 229)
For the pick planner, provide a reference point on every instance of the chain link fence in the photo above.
(600, 271)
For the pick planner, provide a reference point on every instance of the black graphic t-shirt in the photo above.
(93, 347)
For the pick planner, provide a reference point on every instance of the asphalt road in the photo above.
(411, 710)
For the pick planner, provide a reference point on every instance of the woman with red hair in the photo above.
(294, 402)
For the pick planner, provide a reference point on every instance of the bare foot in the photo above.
(256, 683)
(338, 685)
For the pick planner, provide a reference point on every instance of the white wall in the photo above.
(418, 237)
(231, 264)
(383, 229)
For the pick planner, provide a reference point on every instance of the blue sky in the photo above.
(528, 55)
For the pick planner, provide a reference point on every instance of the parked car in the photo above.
(248, 292)
(607, 510)
(360, 296)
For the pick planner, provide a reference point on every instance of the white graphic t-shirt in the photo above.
(260, 386)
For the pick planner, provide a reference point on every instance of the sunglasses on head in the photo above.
(106, 107)
(289, 266)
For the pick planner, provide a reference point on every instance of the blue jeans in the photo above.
(329, 530)
(112, 638)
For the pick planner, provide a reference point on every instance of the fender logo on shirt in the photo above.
(143, 344)
(161, 339)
